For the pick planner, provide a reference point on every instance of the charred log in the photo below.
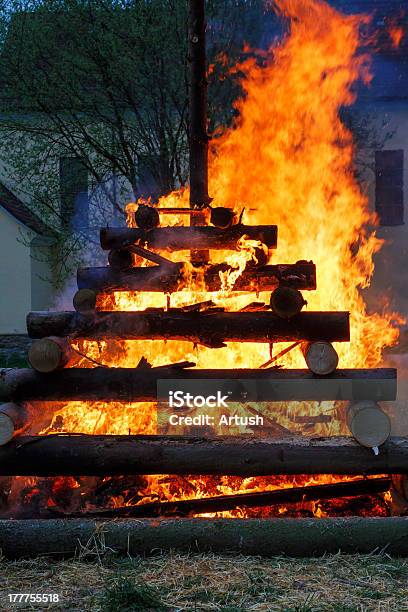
(209, 329)
(151, 256)
(85, 300)
(147, 217)
(120, 259)
(222, 217)
(301, 275)
(130, 384)
(154, 278)
(286, 302)
(188, 237)
(89, 455)
(140, 384)
(222, 503)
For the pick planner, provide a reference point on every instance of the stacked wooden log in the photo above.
(52, 376)
(98, 455)
(140, 384)
(279, 321)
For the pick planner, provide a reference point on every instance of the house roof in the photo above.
(21, 212)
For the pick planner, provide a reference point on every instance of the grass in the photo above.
(222, 583)
(125, 594)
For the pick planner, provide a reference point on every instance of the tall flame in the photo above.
(290, 158)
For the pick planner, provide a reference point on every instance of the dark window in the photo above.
(74, 192)
(389, 186)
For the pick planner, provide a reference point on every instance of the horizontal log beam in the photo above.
(296, 537)
(88, 455)
(209, 329)
(222, 503)
(188, 237)
(301, 275)
(140, 384)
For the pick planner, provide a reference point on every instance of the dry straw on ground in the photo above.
(99, 581)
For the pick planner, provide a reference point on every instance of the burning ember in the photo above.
(396, 34)
(287, 160)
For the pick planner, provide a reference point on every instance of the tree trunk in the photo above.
(171, 278)
(89, 455)
(209, 329)
(187, 237)
(300, 537)
(140, 384)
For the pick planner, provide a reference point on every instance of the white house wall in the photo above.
(15, 276)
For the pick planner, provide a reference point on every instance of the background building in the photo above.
(25, 273)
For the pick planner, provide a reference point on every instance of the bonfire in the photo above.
(254, 273)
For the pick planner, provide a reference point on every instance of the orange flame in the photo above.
(396, 33)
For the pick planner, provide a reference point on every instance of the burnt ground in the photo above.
(210, 582)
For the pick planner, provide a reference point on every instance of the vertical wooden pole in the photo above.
(198, 137)
(198, 106)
